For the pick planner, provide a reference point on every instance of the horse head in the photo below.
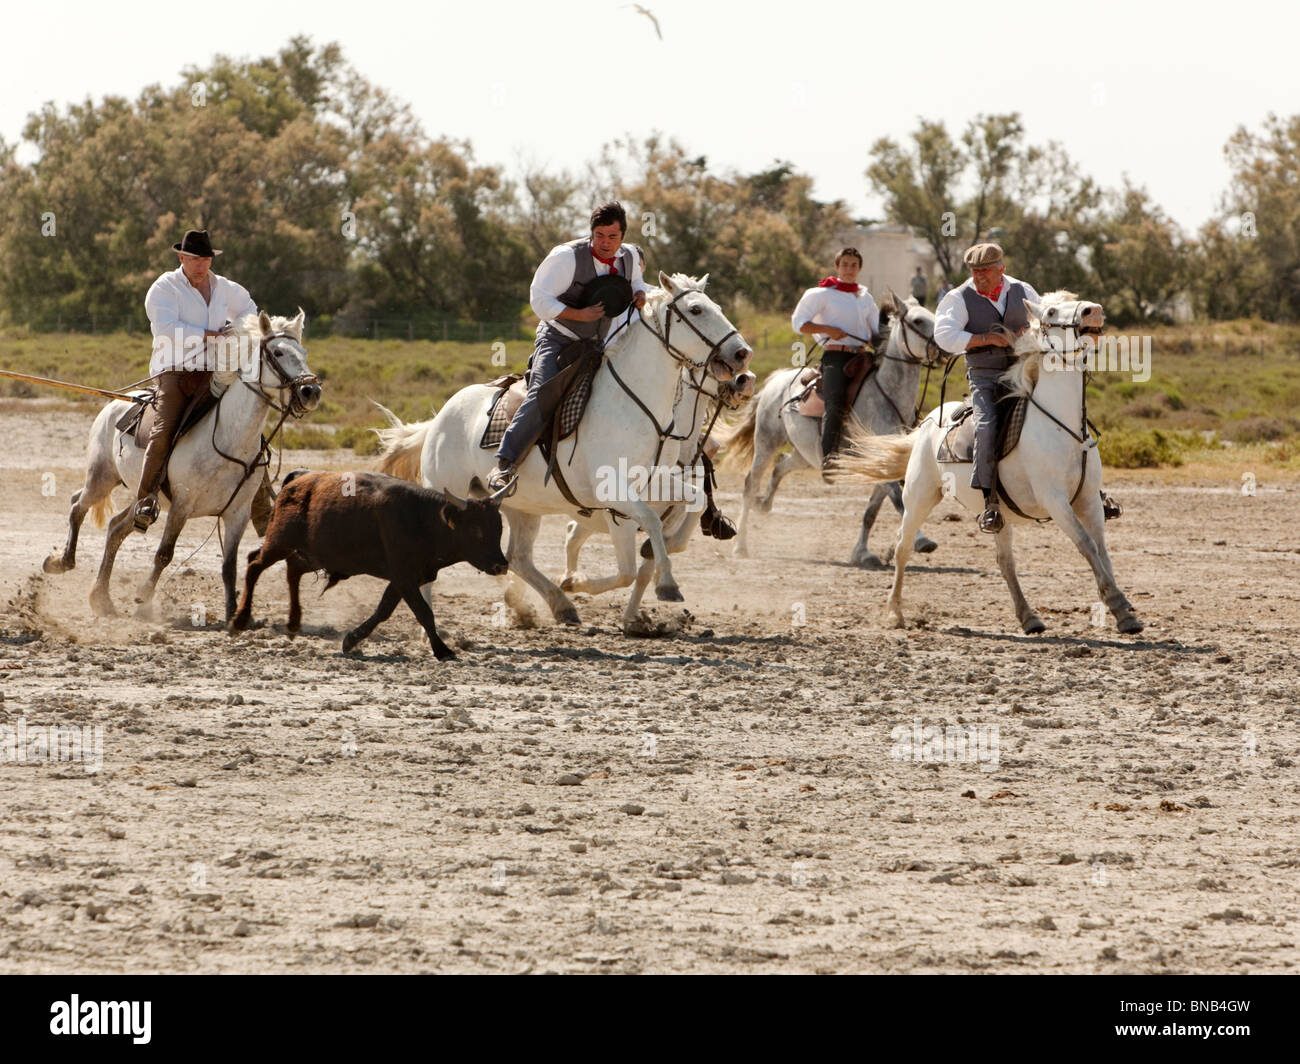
(912, 334)
(693, 328)
(1059, 337)
(280, 369)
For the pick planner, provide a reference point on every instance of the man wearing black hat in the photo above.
(560, 297)
(981, 319)
(187, 307)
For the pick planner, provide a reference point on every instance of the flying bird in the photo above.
(648, 14)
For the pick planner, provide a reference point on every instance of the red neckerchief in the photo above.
(992, 296)
(610, 262)
(838, 285)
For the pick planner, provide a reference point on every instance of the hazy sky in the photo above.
(1151, 90)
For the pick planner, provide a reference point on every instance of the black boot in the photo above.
(991, 519)
(714, 523)
(1110, 507)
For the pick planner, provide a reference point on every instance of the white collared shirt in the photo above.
(855, 314)
(178, 317)
(951, 315)
(556, 273)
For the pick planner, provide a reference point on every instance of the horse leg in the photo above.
(767, 441)
(230, 559)
(575, 537)
(519, 553)
(1029, 620)
(1091, 542)
(161, 559)
(921, 495)
(392, 596)
(676, 542)
(785, 465)
(666, 589)
(118, 529)
(258, 562)
(1091, 512)
(101, 479)
(922, 544)
(424, 615)
(862, 557)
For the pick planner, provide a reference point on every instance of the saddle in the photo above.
(810, 402)
(958, 443)
(137, 422)
(563, 399)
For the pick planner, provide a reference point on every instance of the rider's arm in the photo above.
(950, 325)
(870, 315)
(173, 338)
(239, 304)
(553, 276)
(803, 320)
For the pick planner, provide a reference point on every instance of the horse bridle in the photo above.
(267, 355)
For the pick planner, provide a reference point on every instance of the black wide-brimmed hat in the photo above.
(196, 242)
(612, 291)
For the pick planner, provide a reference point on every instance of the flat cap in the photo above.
(983, 255)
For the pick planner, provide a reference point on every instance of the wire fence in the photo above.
(411, 329)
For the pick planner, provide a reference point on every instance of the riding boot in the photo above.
(1110, 508)
(712, 521)
(991, 519)
(834, 386)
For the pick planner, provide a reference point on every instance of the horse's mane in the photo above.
(1021, 378)
(655, 300)
(250, 325)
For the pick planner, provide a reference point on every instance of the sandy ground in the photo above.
(736, 797)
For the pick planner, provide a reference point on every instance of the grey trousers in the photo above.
(526, 426)
(984, 392)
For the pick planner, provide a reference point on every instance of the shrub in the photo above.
(1129, 449)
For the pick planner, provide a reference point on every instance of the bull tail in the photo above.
(402, 446)
(877, 459)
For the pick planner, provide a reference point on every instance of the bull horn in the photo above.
(457, 501)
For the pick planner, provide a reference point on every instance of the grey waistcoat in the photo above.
(982, 315)
(583, 274)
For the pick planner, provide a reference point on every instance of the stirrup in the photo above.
(990, 521)
(500, 479)
(146, 512)
(1110, 508)
(716, 524)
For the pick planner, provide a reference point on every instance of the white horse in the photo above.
(626, 431)
(886, 403)
(1054, 473)
(213, 469)
(693, 417)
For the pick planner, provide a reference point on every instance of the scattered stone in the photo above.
(631, 809)
(188, 781)
(242, 929)
(1045, 923)
(569, 779)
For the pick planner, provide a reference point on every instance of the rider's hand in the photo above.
(639, 300)
(835, 333)
(589, 313)
(996, 339)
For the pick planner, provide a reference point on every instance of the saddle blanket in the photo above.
(958, 443)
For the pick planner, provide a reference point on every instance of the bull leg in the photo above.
(392, 596)
(161, 559)
(295, 570)
(118, 529)
(258, 561)
(424, 615)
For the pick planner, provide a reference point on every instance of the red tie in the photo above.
(993, 296)
(838, 285)
(610, 262)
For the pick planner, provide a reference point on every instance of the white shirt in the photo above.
(556, 273)
(856, 314)
(951, 315)
(178, 316)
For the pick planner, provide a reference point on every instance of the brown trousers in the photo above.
(175, 391)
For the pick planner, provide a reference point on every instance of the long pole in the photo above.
(69, 387)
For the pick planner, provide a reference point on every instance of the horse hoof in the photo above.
(144, 611)
(349, 641)
(55, 564)
(740, 551)
(569, 617)
(1034, 625)
(567, 583)
(102, 606)
(444, 653)
(669, 593)
(1130, 625)
(925, 545)
(869, 560)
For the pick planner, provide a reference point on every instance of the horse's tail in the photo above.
(402, 446)
(102, 510)
(878, 459)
